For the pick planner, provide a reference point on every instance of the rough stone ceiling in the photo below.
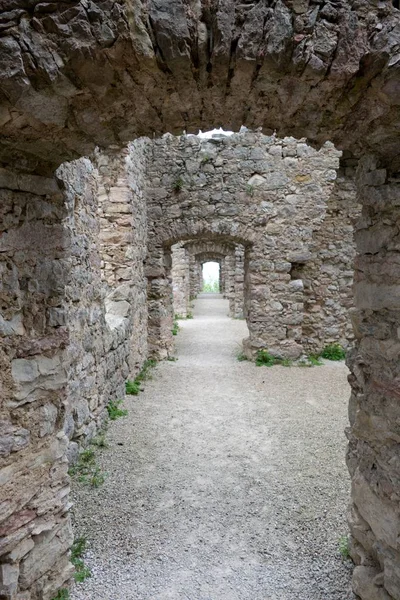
(74, 74)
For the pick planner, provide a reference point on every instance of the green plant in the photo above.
(96, 478)
(344, 546)
(285, 362)
(175, 327)
(314, 360)
(333, 352)
(62, 594)
(100, 440)
(85, 470)
(114, 410)
(265, 359)
(241, 357)
(189, 315)
(250, 189)
(178, 184)
(87, 457)
(144, 374)
(81, 570)
(172, 358)
(205, 159)
(132, 387)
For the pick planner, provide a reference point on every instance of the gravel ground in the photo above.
(226, 481)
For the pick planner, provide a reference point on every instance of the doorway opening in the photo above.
(211, 272)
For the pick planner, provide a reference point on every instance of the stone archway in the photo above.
(76, 76)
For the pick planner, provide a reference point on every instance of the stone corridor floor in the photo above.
(226, 481)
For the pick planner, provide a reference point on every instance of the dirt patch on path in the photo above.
(224, 482)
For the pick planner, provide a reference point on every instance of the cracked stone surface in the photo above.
(225, 481)
(76, 74)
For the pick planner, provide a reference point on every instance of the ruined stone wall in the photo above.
(106, 291)
(373, 452)
(35, 249)
(327, 274)
(62, 359)
(269, 195)
(180, 279)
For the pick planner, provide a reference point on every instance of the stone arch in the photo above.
(213, 250)
(158, 271)
(104, 75)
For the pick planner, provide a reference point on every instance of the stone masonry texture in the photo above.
(85, 247)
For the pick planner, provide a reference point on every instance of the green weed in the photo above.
(86, 471)
(265, 359)
(132, 387)
(250, 190)
(344, 546)
(63, 594)
(175, 327)
(114, 410)
(241, 357)
(333, 352)
(178, 184)
(81, 570)
(172, 358)
(100, 440)
(285, 362)
(314, 360)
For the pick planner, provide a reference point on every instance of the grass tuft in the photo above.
(114, 410)
(175, 326)
(314, 360)
(265, 359)
(333, 352)
(62, 594)
(132, 387)
(241, 357)
(178, 184)
(86, 471)
(344, 546)
(81, 570)
(100, 440)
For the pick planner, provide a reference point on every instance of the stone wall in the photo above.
(36, 248)
(70, 341)
(79, 316)
(270, 196)
(373, 452)
(327, 272)
(180, 276)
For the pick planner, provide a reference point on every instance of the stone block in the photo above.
(21, 550)
(24, 370)
(382, 516)
(49, 546)
(364, 586)
(9, 574)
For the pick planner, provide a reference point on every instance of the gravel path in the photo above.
(225, 482)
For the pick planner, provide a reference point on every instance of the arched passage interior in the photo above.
(60, 106)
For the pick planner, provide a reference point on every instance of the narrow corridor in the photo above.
(225, 481)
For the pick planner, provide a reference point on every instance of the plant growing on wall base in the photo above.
(333, 352)
(177, 184)
(114, 410)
